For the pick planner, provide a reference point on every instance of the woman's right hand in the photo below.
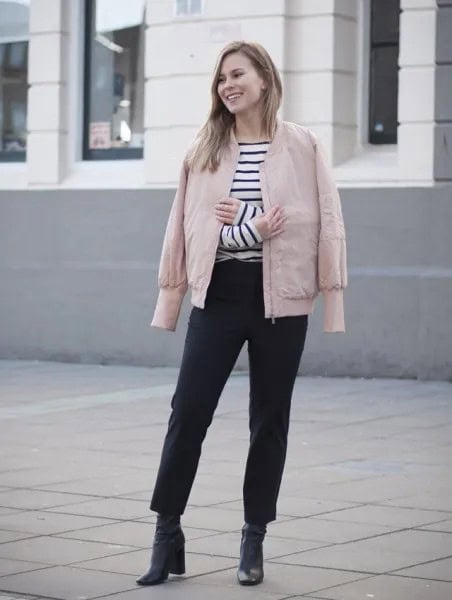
(270, 223)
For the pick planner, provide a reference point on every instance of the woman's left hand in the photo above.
(226, 210)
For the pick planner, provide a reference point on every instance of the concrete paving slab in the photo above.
(131, 533)
(389, 587)
(10, 596)
(437, 569)
(440, 500)
(445, 526)
(58, 551)
(205, 496)
(296, 506)
(12, 536)
(218, 519)
(112, 508)
(46, 523)
(67, 583)
(284, 579)
(136, 563)
(326, 531)
(388, 516)
(11, 567)
(189, 590)
(228, 544)
(378, 554)
(108, 486)
(37, 499)
(7, 510)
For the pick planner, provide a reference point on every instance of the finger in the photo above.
(225, 207)
(277, 224)
(280, 219)
(275, 215)
(279, 215)
(275, 220)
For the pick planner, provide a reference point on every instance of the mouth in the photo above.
(233, 98)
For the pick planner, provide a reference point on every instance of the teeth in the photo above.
(233, 96)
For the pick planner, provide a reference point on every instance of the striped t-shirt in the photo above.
(241, 240)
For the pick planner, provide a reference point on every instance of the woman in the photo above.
(256, 231)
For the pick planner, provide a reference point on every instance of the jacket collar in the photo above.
(275, 144)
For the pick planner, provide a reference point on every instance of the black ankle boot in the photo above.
(168, 551)
(251, 566)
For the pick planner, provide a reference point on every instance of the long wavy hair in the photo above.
(213, 137)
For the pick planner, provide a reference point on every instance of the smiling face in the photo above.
(240, 87)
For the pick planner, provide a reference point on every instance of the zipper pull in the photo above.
(273, 320)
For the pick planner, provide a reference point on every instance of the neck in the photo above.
(249, 128)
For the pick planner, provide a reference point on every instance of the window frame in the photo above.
(88, 154)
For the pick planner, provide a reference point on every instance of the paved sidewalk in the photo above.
(365, 508)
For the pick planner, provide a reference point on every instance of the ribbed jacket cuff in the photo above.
(168, 307)
(333, 320)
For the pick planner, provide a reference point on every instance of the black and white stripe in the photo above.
(242, 240)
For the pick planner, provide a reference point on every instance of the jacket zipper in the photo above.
(269, 253)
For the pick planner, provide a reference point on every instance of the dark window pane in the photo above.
(383, 76)
(384, 85)
(13, 80)
(114, 85)
(385, 21)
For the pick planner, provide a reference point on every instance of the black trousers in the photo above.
(233, 314)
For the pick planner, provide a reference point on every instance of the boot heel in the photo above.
(177, 564)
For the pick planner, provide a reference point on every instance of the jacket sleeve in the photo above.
(172, 277)
(332, 256)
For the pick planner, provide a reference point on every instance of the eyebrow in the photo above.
(236, 69)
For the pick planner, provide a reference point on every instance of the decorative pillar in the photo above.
(416, 90)
(321, 71)
(47, 95)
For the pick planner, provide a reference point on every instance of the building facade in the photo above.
(99, 100)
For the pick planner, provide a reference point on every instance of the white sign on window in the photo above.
(100, 135)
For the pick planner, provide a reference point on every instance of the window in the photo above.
(187, 8)
(114, 79)
(13, 79)
(383, 76)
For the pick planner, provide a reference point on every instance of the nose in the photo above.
(227, 89)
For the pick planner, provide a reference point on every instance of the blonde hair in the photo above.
(213, 137)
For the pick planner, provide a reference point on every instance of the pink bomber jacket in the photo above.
(308, 257)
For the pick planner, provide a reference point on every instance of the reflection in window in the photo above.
(188, 7)
(114, 79)
(383, 80)
(13, 79)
